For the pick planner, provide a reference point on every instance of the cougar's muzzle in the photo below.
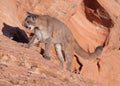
(25, 25)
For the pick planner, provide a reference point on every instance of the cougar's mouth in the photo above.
(31, 27)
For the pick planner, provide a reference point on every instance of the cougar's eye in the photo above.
(28, 22)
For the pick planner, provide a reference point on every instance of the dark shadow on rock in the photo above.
(95, 13)
(42, 51)
(77, 71)
(15, 33)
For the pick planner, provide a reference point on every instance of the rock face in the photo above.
(90, 22)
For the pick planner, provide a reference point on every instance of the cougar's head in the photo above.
(30, 21)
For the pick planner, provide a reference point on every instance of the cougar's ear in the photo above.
(35, 16)
(29, 14)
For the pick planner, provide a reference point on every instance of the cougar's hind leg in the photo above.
(58, 49)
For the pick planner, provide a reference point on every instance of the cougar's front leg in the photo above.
(47, 50)
(31, 42)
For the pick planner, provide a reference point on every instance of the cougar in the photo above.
(50, 30)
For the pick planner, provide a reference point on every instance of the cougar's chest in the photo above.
(42, 35)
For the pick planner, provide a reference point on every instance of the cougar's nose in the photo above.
(25, 25)
(29, 27)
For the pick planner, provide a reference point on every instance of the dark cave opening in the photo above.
(15, 33)
(95, 13)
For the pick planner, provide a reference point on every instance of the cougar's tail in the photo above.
(86, 55)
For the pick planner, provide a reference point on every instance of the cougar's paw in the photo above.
(47, 57)
(26, 45)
